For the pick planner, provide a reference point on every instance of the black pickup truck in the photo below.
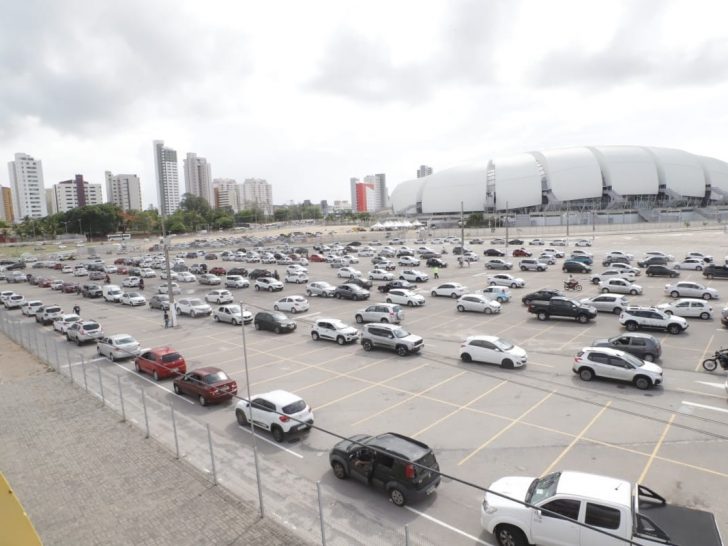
(562, 307)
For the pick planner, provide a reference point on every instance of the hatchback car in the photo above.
(402, 296)
(280, 412)
(209, 279)
(292, 304)
(661, 271)
(219, 297)
(209, 385)
(159, 301)
(380, 312)
(133, 299)
(334, 330)
(408, 261)
(620, 286)
(62, 323)
(642, 346)
(236, 281)
(477, 303)
(607, 363)
(117, 346)
(449, 290)
(380, 275)
(30, 307)
(504, 279)
(497, 263)
(688, 307)
(320, 288)
(296, 277)
(348, 273)
(492, 350)
(274, 321)
(160, 362)
(232, 314)
(392, 337)
(82, 331)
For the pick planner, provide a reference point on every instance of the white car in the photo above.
(30, 307)
(620, 286)
(582, 242)
(232, 314)
(626, 267)
(612, 274)
(559, 242)
(607, 303)
(688, 307)
(620, 254)
(320, 288)
(539, 242)
(334, 330)
(501, 294)
(348, 273)
(62, 323)
(192, 307)
(296, 277)
(164, 288)
(236, 281)
(148, 273)
(380, 275)
(349, 259)
(477, 303)
(15, 301)
(492, 350)
(402, 296)
(56, 284)
(593, 362)
(130, 282)
(174, 275)
(449, 290)
(219, 297)
(133, 299)
(408, 261)
(292, 304)
(110, 269)
(413, 275)
(290, 413)
(67, 269)
(80, 272)
(186, 276)
(118, 346)
(668, 257)
(548, 259)
(504, 279)
(296, 268)
(695, 264)
(700, 256)
(686, 289)
(580, 252)
(268, 283)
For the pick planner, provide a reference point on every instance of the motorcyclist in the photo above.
(571, 282)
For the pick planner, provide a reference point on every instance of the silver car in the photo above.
(498, 263)
(193, 307)
(232, 314)
(392, 337)
(320, 288)
(117, 346)
(607, 303)
(478, 303)
(380, 312)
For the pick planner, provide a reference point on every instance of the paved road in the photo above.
(84, 477)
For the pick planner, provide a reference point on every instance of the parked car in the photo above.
(436, 262)
(405, 468)
(269, 284)
(693, 264)
(320, 288)
(501, 294)
(193, 307)
(613, 273)
(620, 286)
(408, 261)
(643, 346)
(449, 290)
(545, 294)
(497, 263)
(402, 296)
(274, 321)
(392, 337)
(160, 362)
(608, 363)
(715, 271)
(334, 330)
(164, 288)
(477, 303)
(82, 331)
(688, 307)
(687, 289)
(280, 412)
(652, 260)
(15, 301)
(493, 252)
(351, 291)
(348, 273)
(232, 314)
(573, 266)
(492, 350)
(562, 308)
(661, 271)
(380, 312)
(361, 282)
(396, 284)
(607, 303)
(236, 281)
(292, 304)
(635, 318)
(133, 299)
(582, 242)
(296, 277)
(62, 322)
(209, 385)
(186, 276)
(209, 279)
(219, 297)
(532, 264)
(413, 275)
(30, 307)
(46, 314)
(117, 347)
(504, 279)
(380, 275)
(159, 301)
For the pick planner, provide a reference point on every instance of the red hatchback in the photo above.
(160, 363)
(220, 271)
(209, 385)
(522, 252)
(316, 258)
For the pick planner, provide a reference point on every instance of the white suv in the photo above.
(280, 412)
(380, 312)
(593, 362)
(532, 265)
(403, 296)
(390, 336)
(193, 307)
(219, 296)
(634, 318)
(334, 330)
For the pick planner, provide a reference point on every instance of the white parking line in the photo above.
(703, 406)
(711, 384)
(450, 527)
(133, 372)
(309, 315)
(247, 429)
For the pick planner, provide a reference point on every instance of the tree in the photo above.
(474, 220)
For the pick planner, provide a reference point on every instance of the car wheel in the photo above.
(203, 400)
(460, 308)
(359, 319)
(642, 382)
(649, 357)
(276, 308)
(277, 330)
(492, 283)
(176, 389)
(706, 296)
(465, 357)
(514, 285)
(78, 342)
(507, 363)
(241, 418)
(155, 375)
(193, 313)
(397, 497)
(389, 300)
(632, 326)
(385, 320)
(402, 350)
(668, 312)
(586, 374)
(367, 345)
(583, 319)
(674, 329)
(270, 289)
(338, 296)
(112, 357)
(277, 433)
(340, 340)
(542, 316)
(339, 470)
(674, 275)
(314, 336)
(257, 288)
(308, 293)
(487, 311)
(410, 303)
(709, 275)
(705, 316)
(675, 294)
(699, 268)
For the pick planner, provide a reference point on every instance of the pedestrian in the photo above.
(108, 279)
(275, 275)
(77, 310)
(141, 284)
(166, 318)
(436, 272)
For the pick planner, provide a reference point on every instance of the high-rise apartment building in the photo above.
(369, 195)
(225, 191)
(26, 183)
(71, 194)
(423, 171)
(198, 177)
(124, 190)
(165, 167)
(6, 205)
(258, 193)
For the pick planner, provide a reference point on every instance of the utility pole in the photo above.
(462, 231)
(507, 222)
(170, 292)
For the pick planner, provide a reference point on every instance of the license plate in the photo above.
(430, 490)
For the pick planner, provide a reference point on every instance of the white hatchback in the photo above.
(493, 350)
(478, 303)
(449, 290)
(280, 412)
(403, 296)
(292, 304)
(688, 307)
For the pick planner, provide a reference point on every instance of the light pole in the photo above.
(80, 227)
(170, 292)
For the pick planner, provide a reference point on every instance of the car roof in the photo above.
(492, 339)
(207, 370)
(580, 484)
(280, 397)
(408, 448)
(162, 350)
(607, 350)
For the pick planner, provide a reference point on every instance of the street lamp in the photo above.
(80, 227)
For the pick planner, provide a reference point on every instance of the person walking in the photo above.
(436, 272)
(141, 284)
(166, 318)
(77, 310)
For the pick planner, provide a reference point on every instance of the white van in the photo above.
(111, 292)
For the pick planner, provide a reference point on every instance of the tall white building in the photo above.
(28, 190)
(198, 177)
(257, 192)
(369, 195)
(225, 191)
(124, 190)
(423, 171)
(71, 194)
(165, 167)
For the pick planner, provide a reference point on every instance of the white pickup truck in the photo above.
(624, 514)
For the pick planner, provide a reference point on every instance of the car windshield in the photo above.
(400, 333)
(171, 357)
(196, 302)
(631, 359)
(216, 377)
(125, 340)
(503, 345)
(92, 326)
(543, 488)
(338, 325)
(234, 309)
(133, 294)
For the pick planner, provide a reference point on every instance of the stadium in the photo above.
(580, 179)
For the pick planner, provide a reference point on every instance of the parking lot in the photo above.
(483, 422)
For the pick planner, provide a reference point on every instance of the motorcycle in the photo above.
(575, 286)
(720, 357)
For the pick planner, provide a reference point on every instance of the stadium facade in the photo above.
(578, 178)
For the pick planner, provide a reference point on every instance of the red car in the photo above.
(160, 363)
(122, 270)
(57, 265)
(120, 261)
(522, 252)
(316, 258)
(208, 385)
(44, 283)
(219, 271)
(70, 288)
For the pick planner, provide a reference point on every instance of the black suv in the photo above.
(435, 262)
(362, 283)
(255, 273)
(238, 271)
(661, 271)
(572, 266)
(91, 291)
(351, 292)
(712, 270)
(609, 260)
(273, 320)
(405, 468)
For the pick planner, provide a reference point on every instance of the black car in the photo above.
(351, 292)
(427, 255)
(609, 260)
(435, 262)
(712, 270)
(642, 346)
(541, 295)
(396, 284)
(359, 281)
(404, 252)
(572, 266)
(211, 256)
(493, 252)
(179, 268)
(661, 271)
(255, 273)
(15, 265)
(515, 242)
(405, 468)
(238, 271)
(159, 301)
(274, 321)
(652, 260)
(91, 291)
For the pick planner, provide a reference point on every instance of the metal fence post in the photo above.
(321, 513)
(212, 455)
(70, 370)
(174, 429)
(146, 417)
(121, 399)
(101, 385)
(406, 535)
(83, 369)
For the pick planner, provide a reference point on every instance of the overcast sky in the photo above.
(309, 94)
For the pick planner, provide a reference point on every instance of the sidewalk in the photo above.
(86, 478)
